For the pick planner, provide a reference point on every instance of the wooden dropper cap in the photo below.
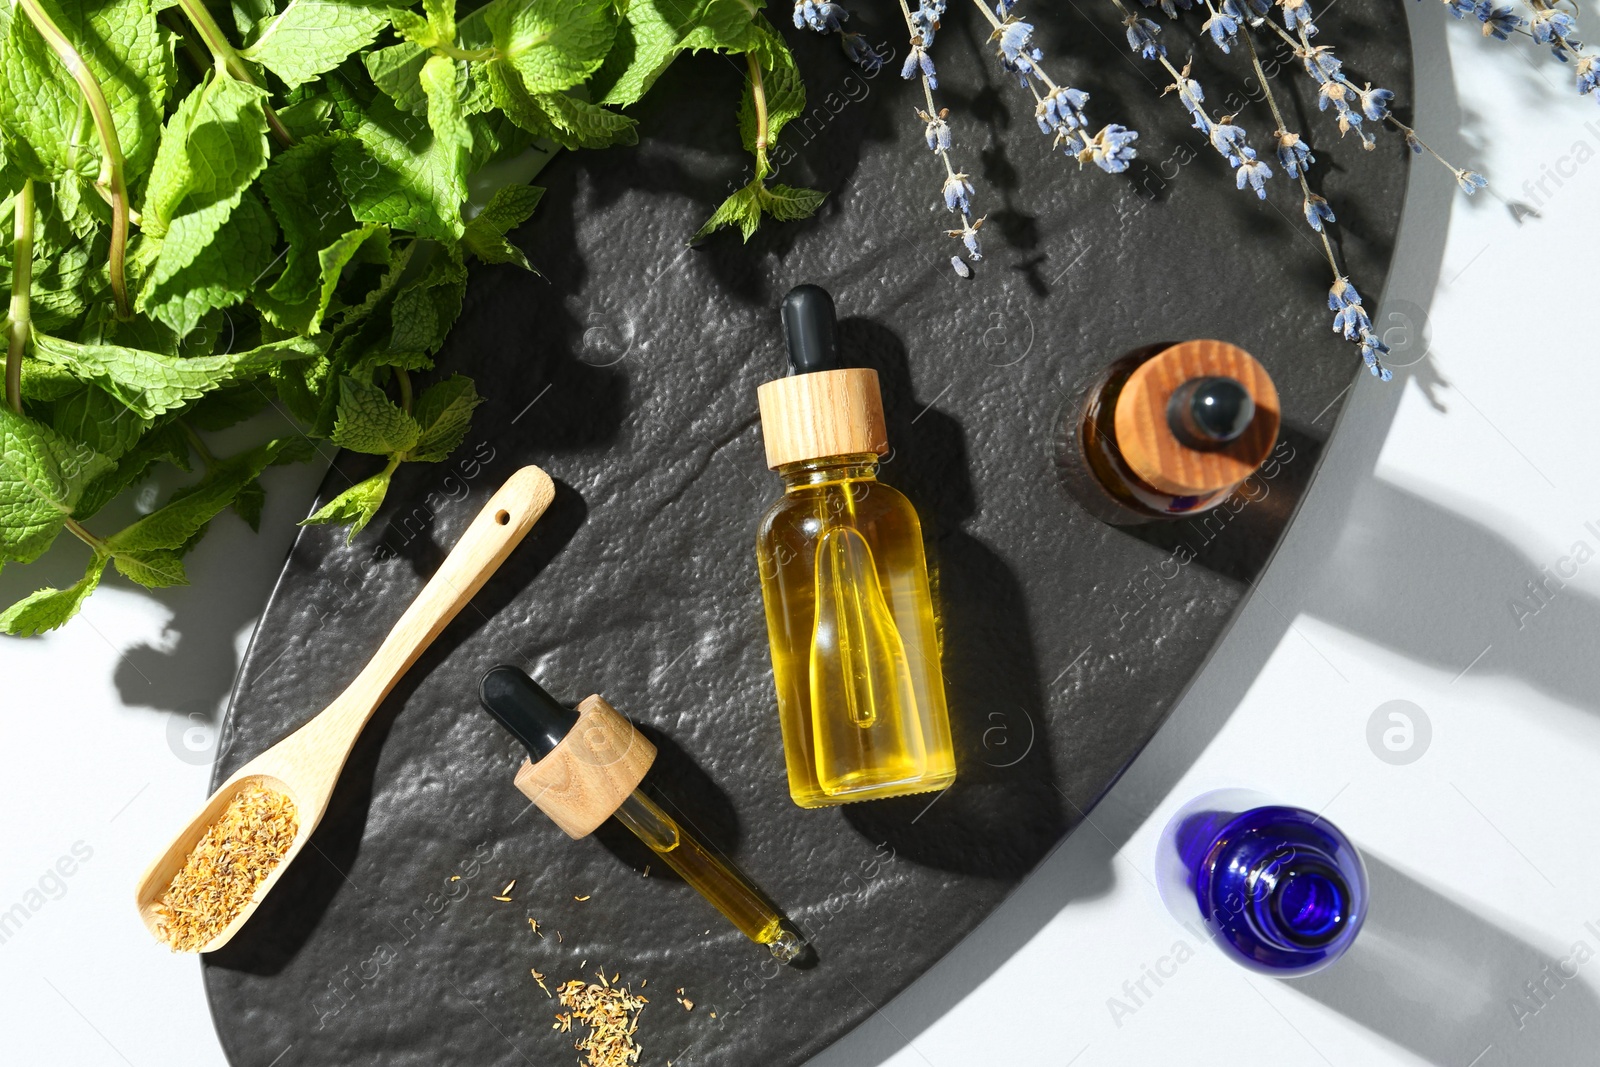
(583, 764)
(821, 409)
(1196, 418)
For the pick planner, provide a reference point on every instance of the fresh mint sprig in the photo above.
(205, 220)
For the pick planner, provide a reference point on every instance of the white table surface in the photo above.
(1441, 497)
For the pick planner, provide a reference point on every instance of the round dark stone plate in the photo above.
(627, 368)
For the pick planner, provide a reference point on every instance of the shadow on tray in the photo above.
(1003, 813)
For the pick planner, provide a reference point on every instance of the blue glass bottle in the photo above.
(1279, 889)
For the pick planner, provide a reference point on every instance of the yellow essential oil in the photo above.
(850, 618)
(739, 901)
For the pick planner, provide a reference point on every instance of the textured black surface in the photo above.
(628, 370)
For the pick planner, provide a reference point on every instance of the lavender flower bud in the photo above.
(958, 193)
(1112, 148)
(1498, 22)
(1142, 37)
(1224, 30)
(1253, 171)
(1294, 155)
(1317, 212)
(1374, 102)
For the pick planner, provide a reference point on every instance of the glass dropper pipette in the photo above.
(541, 723)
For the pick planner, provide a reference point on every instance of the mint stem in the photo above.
(207, 457)
(758, 96)
(86, 537)
(112, 167)
(229, 61)
(21, 316)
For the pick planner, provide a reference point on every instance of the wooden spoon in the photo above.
(306, 764)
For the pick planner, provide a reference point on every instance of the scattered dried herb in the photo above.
(223, 870)
(611, 1013)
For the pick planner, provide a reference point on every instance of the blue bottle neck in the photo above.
(1283, 890)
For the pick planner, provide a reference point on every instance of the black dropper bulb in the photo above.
(533, 716)
(811, 329)
(1209, 412)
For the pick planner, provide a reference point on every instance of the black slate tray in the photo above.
(628, 370)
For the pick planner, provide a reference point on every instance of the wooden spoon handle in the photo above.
(496, 530)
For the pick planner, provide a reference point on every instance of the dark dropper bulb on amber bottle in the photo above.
(811, 329)
(1208, 412)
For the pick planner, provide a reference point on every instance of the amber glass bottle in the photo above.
(1167, 432)
(850, 618)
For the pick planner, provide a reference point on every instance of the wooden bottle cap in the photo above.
(591, 772)
(823, 413)
(1147, 442)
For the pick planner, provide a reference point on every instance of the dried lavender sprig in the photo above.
(1350, 320)
(1058, 109)
(957, 188)
(1228, 139)
(1558, 30)
(1548, 26)
(1335, 88)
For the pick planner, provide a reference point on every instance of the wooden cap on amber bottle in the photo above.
(1197, 418)
(586, 777)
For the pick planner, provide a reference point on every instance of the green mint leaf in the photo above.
(304, 193)
(67, 267)
(41, 107)
(47, 381)
(49, 608)
(452, 135)
(152, 383)
(652, 34)
(153, 568)
(397, 70)
(426, 306)
(444, 411)
(786, 204)
(173, 526)
(308, 118)
(553, 44)
(742, 209)
(366, 243)
(42, 476)
(212, 148)
(415, 28)
(248, 504)
(311, 37)
(399, 173)
(442, 17)
(202, 266)
(495, 138)
(509, 208)
(580, 124)
(780, 81)
(370, 422)
(511, 96)
(356, 505)
(95, 419)
(247, 14)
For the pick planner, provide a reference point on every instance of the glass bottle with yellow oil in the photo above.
(855, 654)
